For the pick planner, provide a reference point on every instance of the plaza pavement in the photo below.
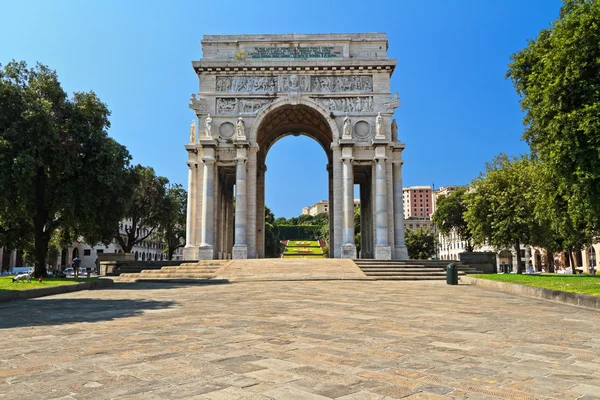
(297, 340)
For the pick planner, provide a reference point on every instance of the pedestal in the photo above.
(348, 251)
(401, 252)
(383, 252)
(206, 252)
(240, 252)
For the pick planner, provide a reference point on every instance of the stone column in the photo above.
(206, 249)
(1, 258)
(585, 259)
(330, 213)
(348, 246)
(240, 248)
(189, 228)
(400, 252)
(337, 206)
(251, 202)
(260, 212)
(12, 261)
(382, 247)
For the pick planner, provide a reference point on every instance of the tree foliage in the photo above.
(143, 208)
(449, 216)
(558, 78)
(501, 205)
(172, 219)
(60, 170)
(420, 243)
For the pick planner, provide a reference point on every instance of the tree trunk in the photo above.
(41, 235)
(518, 250)
(572, 262)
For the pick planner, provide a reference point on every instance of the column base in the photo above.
(400, 253)
(383, 252)
(240, 252)
(348, 251)
(206, 252)
(190, 253)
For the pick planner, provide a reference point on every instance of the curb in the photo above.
(51, 290)
(574, 299)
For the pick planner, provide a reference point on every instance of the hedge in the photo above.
(299, 232)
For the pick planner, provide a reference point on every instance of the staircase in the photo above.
(196, 272)
(411, 270)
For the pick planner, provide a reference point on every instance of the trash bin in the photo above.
(451, 274)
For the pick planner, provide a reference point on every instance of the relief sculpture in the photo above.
(240, 106)
(285, 83)
(348, 104)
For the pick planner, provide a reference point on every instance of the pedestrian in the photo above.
(76, 264)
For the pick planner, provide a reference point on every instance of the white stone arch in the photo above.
(285, 101)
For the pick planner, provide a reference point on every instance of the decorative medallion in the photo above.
(362, 129)
(226, 130)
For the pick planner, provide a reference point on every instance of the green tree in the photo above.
(172, 219)
(420, 243)
(60, 170)
(501, 206)
(271, 234)
(558, 78)
(143, 207)
(449, 216)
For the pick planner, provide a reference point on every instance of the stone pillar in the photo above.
(400, 252)
(330, 202)
(189, 228)
(2, 258)
(348, 246)
(12, 261)
(585, 259)
(260, 212)
(206, 250)
(382, 246)
(230, 223)
(240, 248)
(251, 202)
(336, 239)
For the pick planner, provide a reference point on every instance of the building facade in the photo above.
(255, 89)
(418, 202)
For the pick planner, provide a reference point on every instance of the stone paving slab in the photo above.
(292, 269)
(348, 340)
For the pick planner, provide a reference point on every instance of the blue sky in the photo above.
(457, 110)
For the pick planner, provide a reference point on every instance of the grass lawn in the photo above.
(584, 284)
(6, 283)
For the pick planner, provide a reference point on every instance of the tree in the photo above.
(420, 243)
(143, 208)
(558, 78)
(501, 206)
(449, 216)
(172, 219)
(271, 234)
(60, 170)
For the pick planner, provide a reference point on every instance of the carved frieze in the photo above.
(287, 83)
(301, 53)
(347, 104)
(233, 105)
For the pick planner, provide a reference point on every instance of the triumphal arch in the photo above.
(256, 89)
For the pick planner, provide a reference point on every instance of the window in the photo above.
(87, 252)
(99, 251)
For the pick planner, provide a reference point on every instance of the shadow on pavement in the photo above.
(162, 284)
(49, 311)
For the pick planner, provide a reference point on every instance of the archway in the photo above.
(505, 260)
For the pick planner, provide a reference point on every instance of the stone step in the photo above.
(401, 270)
(417, 273)
(411, 278)
(167, 275)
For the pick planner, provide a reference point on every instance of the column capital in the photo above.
(208, 160)
(191, 164)
(379, 154)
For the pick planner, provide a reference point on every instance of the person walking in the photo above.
(76, 264)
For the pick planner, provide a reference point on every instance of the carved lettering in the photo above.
(295, 52)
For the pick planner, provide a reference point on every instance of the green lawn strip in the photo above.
(6, 283)
(584, 284)
(302, 256)
(303, 250)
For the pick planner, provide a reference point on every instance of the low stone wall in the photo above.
(50, 290)
(575, 299)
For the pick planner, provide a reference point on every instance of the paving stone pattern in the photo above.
(297, 340)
